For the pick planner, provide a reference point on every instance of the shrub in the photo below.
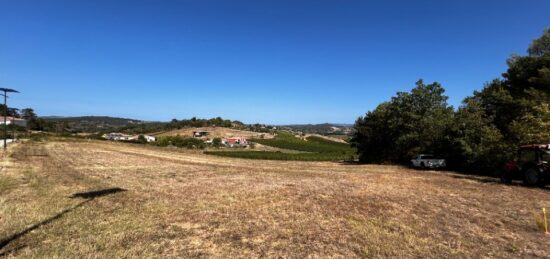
(181, 142)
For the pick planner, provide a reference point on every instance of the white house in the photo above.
(150, 138)
(12, 120)
(126, 137)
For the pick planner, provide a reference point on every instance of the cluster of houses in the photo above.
(229, 142)
(126, 137)
(234, 142)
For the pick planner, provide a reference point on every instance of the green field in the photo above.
(318, 149)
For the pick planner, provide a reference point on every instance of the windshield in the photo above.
(428, 157)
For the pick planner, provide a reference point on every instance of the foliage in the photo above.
(179, 141)
(541, 46)
(14, 112)
(216, 142)
(483, 133)
(410, 123)
(141, 139)
(147, 127)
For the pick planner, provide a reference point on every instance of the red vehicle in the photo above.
(532, 165)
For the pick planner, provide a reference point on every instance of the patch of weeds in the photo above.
(514, 248)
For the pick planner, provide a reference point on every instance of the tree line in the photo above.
(481, 134)
(28, 114)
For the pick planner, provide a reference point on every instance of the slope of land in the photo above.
(323, 129)
(92, 123)
(97, 199)
(339, 139)
(220, 132)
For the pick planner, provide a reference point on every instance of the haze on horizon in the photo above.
(274, 62)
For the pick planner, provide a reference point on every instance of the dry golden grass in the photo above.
(185, 204)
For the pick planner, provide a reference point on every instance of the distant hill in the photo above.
(92, 123)
(322, 129)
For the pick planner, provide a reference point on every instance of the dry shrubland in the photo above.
(185, 204)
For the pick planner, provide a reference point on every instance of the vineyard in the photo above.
(316, 148)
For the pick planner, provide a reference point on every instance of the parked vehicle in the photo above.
(532, 165)
(428, 161)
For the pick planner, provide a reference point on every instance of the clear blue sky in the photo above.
(274, 62)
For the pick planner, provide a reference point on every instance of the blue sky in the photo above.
(275, 62)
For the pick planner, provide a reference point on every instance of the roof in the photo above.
(10, 118)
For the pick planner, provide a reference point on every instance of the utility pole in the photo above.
(6, 91)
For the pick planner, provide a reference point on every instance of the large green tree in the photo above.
(412, 122)
(481, 134)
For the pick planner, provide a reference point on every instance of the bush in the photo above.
(181, 142)
(216, 142)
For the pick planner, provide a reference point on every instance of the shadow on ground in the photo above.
(88, 196)
(492, 180)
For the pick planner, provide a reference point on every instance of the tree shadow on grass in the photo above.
(88, 196)
(494, 180)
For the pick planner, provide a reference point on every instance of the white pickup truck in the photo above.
(428, 161)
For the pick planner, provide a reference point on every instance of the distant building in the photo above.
(117, 136)
(235, 141)
(126, 137)
(150, 138)
(200, 134)
(13, 121)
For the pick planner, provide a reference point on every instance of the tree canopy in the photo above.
(482, 133)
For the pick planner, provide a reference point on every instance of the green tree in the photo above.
(475, 142)
(541, 46)
(142, 139)
(216, 142)
(411, 123)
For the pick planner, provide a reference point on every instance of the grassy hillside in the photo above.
(92, 123)
(323, 129)
(312, 144)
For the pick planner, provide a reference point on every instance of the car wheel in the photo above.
(531, 177)
(422, 165)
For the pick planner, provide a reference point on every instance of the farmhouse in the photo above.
(234, 141)
(13, 121)
(126, 137)
(150, 138)
(116, 136)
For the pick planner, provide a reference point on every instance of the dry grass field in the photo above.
(70, 199)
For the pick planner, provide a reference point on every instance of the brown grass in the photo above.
(185, 204)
